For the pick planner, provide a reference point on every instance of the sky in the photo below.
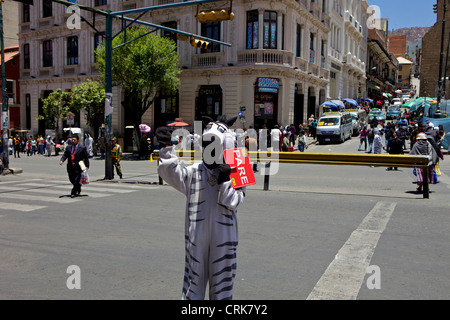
(407, 13)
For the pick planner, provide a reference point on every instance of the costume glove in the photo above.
(224, 173)
(164, 136)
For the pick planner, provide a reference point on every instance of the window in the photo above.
(26, 56)
(312, 52)
(98, 39)
(211, 30)
(28, 111)
(47, 53)
(270, 30)
(100, 3)
(47, 8)
(322, 54)
(25, 12)
(72, 50)
(298, 47)
(252, 29)
(167, 34)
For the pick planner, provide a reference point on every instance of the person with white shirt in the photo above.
(275, 134)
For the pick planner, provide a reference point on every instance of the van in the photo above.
(358, 116)
(334, 126)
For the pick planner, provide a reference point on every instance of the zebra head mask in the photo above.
(216, 138)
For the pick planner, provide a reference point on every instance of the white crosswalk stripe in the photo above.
(19, 206)
(42, 193)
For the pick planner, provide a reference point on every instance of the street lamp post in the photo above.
(4, 95)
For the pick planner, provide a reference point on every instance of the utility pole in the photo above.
(108, 96)
(5, 119)
(438, 106)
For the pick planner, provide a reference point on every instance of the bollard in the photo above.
(266, 176)
(426, 186)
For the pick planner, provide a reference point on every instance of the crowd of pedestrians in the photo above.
(43, 146)
(397, 137)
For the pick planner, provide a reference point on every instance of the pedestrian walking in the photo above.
(377, 142)
(285, 144)
(16, 146)
(89, 144)
(116, 151)
(302, 141)
(423, 147)
(370, 137)
(310, 125)
(276, 134)
(74, 154)
(395, 146)
(362, 139)
(314, 127)
(48, 145)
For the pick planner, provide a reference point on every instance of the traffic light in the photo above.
(435, 8)
(202, 44)
(211, 16)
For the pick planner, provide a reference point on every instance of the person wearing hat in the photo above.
(424, 147)
(116, 152)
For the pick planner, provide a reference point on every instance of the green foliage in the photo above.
(141, 67)
(90, 96)
(55, 107)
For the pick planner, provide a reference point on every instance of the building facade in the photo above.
(382, 66)
(430, 58)
(347, 52)
(277, 67)
(12, 66)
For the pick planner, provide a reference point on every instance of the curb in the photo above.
(11, 171)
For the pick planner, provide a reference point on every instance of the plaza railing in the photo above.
(347, 159)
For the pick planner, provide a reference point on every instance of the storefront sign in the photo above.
(268, 83)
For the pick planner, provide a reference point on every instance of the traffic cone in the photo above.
(151, 157)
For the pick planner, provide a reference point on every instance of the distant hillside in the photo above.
(412, 34)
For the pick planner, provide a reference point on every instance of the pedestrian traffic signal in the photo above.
(202, 44)
(212, 16)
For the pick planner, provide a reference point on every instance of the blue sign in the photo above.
(240, 114)
(243, 108)
(268, 83)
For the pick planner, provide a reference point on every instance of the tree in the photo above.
(141, 68)
(55, 107)
(90, 96)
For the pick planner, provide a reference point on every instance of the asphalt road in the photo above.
(320, 232)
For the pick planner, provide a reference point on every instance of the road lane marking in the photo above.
(19, 206)
(344, 276)
(42, 198)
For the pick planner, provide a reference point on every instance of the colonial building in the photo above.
(347, 52)
(382, 66)
(277, 67)
(431, 51)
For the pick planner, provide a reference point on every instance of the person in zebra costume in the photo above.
(211, 230)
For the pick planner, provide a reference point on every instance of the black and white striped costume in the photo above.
(211, 231)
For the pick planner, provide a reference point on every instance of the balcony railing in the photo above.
(265, 56)
(301, 64)
(214, 59)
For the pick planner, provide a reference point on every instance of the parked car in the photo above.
(393, 113)
(377, 114)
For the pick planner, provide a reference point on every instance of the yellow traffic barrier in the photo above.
(349, 159)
